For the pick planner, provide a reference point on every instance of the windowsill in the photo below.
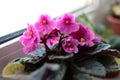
(9, 42)
(10, 52)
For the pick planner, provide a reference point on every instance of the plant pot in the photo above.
(114, 23)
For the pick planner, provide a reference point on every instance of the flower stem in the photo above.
(48, 51)
(60, 44)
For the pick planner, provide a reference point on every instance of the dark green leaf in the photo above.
(59, 74)
(67, 56)
(111, 52)
(109, 62)
(81, 76)
(38, 52)
(32, 63)
(99, 47)
(91, 67)
(74, 74)
(114, 41)
(99, 29)
(93, 50)
(49, 72)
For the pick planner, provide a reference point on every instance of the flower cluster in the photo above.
(65, 32)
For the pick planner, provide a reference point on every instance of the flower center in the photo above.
(82, 39)
(30, 32)
(44, 21)
(68, 44)
(67, 21)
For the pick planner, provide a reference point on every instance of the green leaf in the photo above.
(60, 57)
(111, 52)
(32, 63)
(49, 71)
(100, 47)
(93, 50)
(40, 52)
(59, 74)
(91, 67)
(89, 52)
(99, 29)
(74, 74)
(109, 63)
(114, 41)
(81, 76)
(107, 33)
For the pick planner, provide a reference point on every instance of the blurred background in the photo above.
(102, 16)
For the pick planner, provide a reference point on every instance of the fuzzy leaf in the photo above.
(91, 67)
(111, 52)
(74, 74)
(109, 62)
(59, 74)
(67, 56)
(32, 63)
(49, 72)
(81, 76)
(38, 52)
(114, 41)
(95, 49)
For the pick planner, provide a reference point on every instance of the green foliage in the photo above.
(111, 52)
(98, 47)
(91, 67)
(109, 63)
(81, 76)
(49, 71)
(93, 61)
(67, 56)
(114, 41)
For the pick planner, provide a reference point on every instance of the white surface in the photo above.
(15, 14)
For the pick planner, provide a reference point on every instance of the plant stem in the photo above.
(48, 51)
(60, 44)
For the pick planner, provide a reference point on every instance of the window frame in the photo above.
(88, 8)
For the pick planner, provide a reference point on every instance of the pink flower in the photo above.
(96, 39)
(45, 24)
(66, 24)
(85, 36)
(30, 36)
(53, 38)
(30, 48)
(70, 45)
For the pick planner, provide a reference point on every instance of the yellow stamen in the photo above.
(67, 21)
(44, 21)
(69, 44)
(30, 33)
(82, 39)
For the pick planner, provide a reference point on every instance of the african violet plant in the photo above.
(62, 50)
